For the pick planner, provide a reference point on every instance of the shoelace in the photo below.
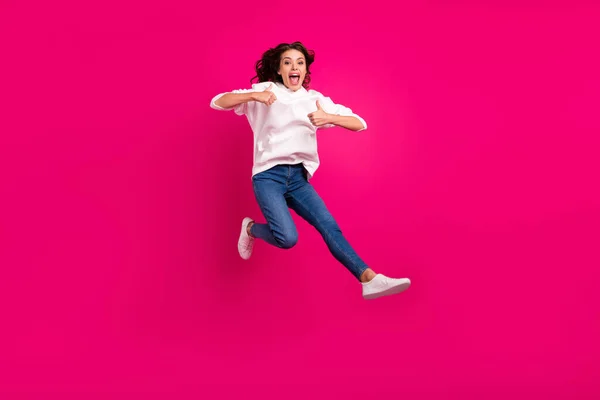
(385, 280)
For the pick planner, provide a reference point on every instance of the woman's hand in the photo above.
(319, 117)
(266, 97)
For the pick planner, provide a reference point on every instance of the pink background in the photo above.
(122, 194)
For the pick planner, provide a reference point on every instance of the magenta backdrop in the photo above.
(123, 191)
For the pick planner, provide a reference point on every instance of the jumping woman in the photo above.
(285, 116)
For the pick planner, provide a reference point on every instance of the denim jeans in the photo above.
(286, 186)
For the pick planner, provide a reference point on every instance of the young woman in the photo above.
(285, 116)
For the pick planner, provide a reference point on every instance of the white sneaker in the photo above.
(382, 285)
(245, 242)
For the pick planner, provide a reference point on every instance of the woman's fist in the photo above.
(266, 97)
(319, 117)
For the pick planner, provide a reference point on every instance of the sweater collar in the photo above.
(290, 91)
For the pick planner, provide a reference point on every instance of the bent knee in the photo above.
(288, 241)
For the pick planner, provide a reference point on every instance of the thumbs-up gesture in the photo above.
(319, 117)
(266, 97)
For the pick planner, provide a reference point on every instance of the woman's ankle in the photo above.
(367, 275)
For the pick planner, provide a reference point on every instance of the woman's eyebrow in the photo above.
(301, 58)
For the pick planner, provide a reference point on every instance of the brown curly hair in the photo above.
(267, 66)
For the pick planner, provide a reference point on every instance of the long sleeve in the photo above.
(338, 109)
(240, 109)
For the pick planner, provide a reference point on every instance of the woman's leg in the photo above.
(286, 186)
(269, 189)
(306, 202)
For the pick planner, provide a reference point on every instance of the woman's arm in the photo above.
(321, 118)
(332, 114)
(348, 122)
(230, 100)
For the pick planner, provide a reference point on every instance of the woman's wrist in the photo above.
(333, 119)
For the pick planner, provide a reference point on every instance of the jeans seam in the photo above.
(330, 238)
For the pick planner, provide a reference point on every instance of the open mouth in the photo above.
(294, 79)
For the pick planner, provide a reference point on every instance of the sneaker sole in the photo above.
(393, 290)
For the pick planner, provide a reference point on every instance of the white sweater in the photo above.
(283, 134)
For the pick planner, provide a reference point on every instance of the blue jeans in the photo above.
(286, 186)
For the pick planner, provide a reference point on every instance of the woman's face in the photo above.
(292, 68)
